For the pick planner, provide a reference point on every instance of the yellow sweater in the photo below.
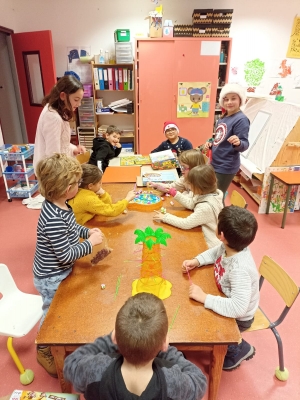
(86, 204)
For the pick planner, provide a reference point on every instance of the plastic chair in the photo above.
(19, 312)
(288, 290)
(236, 199)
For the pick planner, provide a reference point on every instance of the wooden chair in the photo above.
(237, 199)
(288, 290)
(84, 157)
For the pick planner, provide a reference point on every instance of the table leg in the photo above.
(287, 200)
(216, 365)
(59, 354)
(270, 193)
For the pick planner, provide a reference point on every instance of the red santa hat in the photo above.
(170, 125)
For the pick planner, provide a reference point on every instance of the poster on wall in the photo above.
(83, 70)
(193, 99)
(294, 45)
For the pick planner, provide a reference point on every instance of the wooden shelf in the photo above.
(254, 195)
(115, 114)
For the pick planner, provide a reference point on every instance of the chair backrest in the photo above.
(7, 283)
(83, 158)
(279, 279)
(237, 199)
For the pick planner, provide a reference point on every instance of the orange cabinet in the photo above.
(160, 65)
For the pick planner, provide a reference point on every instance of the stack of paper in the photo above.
(120, 105)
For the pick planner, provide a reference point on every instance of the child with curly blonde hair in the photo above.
(58, 234)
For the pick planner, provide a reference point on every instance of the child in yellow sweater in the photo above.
(92, 200)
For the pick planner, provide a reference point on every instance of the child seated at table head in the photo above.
(206, 204)
(58, 234)
(91, 199)
(235, 274)
(174, 142)
(188, 159)
(135, 359)
(106, 148)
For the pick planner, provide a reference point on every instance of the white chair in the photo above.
(19, 312)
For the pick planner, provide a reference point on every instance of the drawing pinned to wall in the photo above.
(285, 69)
(234, 70)
(274, 90)
(193, 99)
(280, 68)
(254, 71)
(74, 64)
(294, 44)
(297, 82)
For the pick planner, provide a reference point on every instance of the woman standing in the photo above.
(53, 130)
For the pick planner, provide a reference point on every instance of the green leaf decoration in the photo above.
(149, 243)
(162, 241)
(158, 232)
(149, 231)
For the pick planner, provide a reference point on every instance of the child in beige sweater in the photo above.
(206, 204)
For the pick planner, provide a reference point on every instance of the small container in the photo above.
(101, 57)
(106, 57)
(122, 35)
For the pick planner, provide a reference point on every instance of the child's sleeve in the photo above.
(88, 363)
(101, 153)
(52, 130)
(237, 304)
(186, 201)
(102, 205)
(184, 379)
(186, 145)
(60, 244)
(241, 129)
(200, 216)
(118, 151)
(210, 256)
(83, 232)
(161, 147)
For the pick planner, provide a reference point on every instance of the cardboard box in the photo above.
(33, 395)
(164, 160)
(155, 27)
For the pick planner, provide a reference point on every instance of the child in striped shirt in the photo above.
(58, 245)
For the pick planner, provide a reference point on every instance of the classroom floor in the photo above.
(254, 379)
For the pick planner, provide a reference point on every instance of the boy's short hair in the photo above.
(204, 178)
(141, 328)
(238, 225)
(90, 174)
(192, 158)
(112, 129)
(56, 173)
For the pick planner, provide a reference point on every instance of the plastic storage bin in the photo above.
(124, 54)
(122, 35)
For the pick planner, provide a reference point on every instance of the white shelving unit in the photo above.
(15, 169)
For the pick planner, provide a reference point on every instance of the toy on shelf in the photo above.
(151, 279)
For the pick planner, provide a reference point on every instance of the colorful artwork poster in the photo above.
(193, 99)
(253, 73)
(294, 44)
(83, 70)
(279, 193)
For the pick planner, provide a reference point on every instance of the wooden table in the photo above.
(80, 311)
(288, 178)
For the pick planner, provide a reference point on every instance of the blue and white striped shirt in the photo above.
(58, 245)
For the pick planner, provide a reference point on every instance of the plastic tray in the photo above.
(17, 191)
(4, 152)
(18, 175)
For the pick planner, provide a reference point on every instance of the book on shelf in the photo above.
(164, 160)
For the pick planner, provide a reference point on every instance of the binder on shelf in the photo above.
(96, 79)
(116, 78)
(121, 84)
(125, 79)
(105, 78)
(101, 81)
(110, 79)
(129, 79)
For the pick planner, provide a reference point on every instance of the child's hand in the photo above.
(101, 191)
(159, 216)
(187, 265)
(130, 195)
(93, 230)
(159, 186)
(79, 150)
(118, 145)
(196, 293)
(234, 140)
(96, 237)
(207, 145)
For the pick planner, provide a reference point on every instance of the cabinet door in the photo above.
(191, 66)
(156, 95)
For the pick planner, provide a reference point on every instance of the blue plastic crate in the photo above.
(21, 189)
(4, 153)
